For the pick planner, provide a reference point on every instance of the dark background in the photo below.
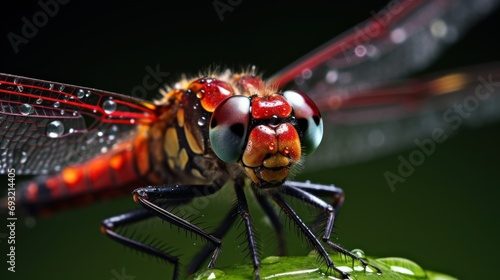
(444, 216)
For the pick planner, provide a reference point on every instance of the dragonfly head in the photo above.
(266, 134)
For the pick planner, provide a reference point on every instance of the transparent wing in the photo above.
(403, 37)
(46, 125)
(403, 114)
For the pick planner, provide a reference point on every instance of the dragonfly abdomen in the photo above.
(111, 174)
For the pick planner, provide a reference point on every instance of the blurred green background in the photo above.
(443, 217)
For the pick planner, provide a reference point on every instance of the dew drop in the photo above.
(71, 130)
(61, 88)
(286, 150)
(20, 88)
(104, 150)
(80, 94)
(16, 80)
(199, 94)
(57, 104)
(55, 129)
(24, 157)
(271, 147)
(51, 86)
(202, 121)
(87, 94)
(62, 112)
(39, 101)
(100, 133)
(109, 106)
(132, 121)
(26, 109)
(359, 253)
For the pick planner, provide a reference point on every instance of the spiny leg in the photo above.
(108, 227)
(242, 205)
(220, 232)
(227, 223)
(336, 194)
(307, 232)
(274, 218)
(329, 212)
(147, 197)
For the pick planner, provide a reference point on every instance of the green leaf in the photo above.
(310, 267)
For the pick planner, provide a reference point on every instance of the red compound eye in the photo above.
(211, 92)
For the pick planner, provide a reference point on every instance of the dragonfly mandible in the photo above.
(331, 101)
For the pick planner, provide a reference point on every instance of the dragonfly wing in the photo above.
(404, 37)
(399, 115)
(46, 126)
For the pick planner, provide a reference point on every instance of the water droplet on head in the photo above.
(57, 104)
(271, 147)
(55, 129)
(199, 94)
(109, 106)
(80, 94)
(26, 109)
(286, 150)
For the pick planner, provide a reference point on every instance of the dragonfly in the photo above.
(340, 78)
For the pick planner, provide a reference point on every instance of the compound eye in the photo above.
(309, 122)
(228, 128)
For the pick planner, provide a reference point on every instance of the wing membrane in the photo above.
(47, 125)
(392, 118)
(404, 37)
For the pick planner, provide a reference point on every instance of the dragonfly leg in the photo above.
(268, 209)
(329, 211)
(244, 212)
(152, 198)
(336, 195)
(109, 226)
(149, 196)
(307, 232)
(221, 230)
